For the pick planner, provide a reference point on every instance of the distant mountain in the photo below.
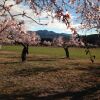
(51, 34)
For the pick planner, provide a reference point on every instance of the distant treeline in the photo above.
(48, 36)
(93, 39)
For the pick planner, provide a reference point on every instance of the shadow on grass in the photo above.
(12, 57)
(15, 62)
(35, 70)
(79, 95)
(29, 95)
(28, 60)
(93, 70)
(46, 58)
(41, 59)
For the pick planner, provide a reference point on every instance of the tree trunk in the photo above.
(66, 51)
(24, 52)
(0, 46)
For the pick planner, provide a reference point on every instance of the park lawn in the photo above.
(54, 51)
(48, 75)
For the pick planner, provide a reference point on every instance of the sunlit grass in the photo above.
(54, 51)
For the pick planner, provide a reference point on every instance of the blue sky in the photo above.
(56, 26)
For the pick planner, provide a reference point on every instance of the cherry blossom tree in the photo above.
(88, 11)
(12, 30)
(62, 42)
(26, 39)
(15, 33)
(58, 41)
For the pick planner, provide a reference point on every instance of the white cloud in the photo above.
(30, 25)
(56, 26)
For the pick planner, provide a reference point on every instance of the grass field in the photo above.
(48, 75)
(54, 52)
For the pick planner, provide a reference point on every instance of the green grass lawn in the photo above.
(55, 52)
(48, 75)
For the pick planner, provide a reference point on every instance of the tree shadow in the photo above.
(14, 62)
(95, 70)
(79, 95)
(30, 95)
(42, 59)
(12, 57)
(30, 59)
(47, 58)
(35, 70)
